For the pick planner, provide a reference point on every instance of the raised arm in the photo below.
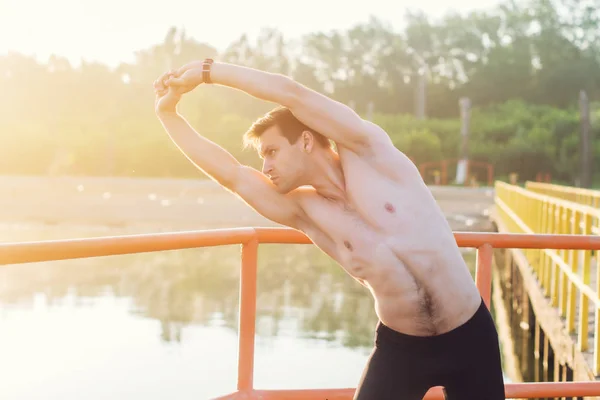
(330, 118)
(216, 162)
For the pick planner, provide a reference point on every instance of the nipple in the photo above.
(389, 207)
(348, 245)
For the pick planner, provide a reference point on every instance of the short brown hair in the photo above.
(290, 127)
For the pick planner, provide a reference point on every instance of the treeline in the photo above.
(522, 66)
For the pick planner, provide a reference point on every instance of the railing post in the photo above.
(574, 259)
(247, 317)
(548, 265)
(597, 320)
(564, 288)
(541, 273)
(483, 272)
(556, 271)
(583, 300)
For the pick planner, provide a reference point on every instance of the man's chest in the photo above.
(376, 211)
(358, 228)
(355, 243)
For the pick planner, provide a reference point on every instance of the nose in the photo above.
(267, 168)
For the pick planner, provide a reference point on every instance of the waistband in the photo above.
(476, 325)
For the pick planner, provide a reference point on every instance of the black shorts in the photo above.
(465, 361)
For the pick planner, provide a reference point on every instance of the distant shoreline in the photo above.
(174, 203)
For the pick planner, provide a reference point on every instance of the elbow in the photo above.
(291, 92)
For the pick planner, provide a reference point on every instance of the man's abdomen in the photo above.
(424, 307)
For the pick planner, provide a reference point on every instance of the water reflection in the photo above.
(167, 321)
(200, 286)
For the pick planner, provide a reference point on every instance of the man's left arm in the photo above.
(322, 114)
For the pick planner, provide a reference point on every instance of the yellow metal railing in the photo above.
(564, 275)
(587, 197)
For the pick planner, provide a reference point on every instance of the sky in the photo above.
(110, 31)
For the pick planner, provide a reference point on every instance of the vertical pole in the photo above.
(584, 312)
(461, 168)
(596, 364)
(370, 110)
(565, 228)
(247, 318)
(420, 94)
(483, 272)
(444, 172)
(574, 259)
(556, 271)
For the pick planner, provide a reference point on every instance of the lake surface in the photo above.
(164, 325)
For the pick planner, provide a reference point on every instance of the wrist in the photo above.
(202, 70)
(207, 65)
(166, 110)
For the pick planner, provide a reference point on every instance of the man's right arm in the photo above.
(211, 158)
(216, 162)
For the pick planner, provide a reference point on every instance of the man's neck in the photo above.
(328, 177)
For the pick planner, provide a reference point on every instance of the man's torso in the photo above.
(391, 236)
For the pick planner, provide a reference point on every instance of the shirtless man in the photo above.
(366, 206)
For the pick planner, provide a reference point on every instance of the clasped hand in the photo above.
(171, 85)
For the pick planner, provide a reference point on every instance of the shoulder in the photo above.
(304, 196)
(374, 141)
(379, 152)
(306, 199)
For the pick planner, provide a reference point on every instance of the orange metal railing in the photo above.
(250, 238)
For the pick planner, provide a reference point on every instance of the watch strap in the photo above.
(206, 66)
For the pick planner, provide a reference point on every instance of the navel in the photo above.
(348, 245)
(389, 207)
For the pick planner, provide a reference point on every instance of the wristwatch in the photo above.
(206, 70)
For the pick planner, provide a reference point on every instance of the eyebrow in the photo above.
(265, 150)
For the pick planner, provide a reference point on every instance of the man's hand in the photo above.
(166, 97)
(191, 65)
(185, 79)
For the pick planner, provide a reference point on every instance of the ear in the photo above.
(308, 141)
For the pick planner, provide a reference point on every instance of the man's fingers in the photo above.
(175, 82)
(159, 84)
(181, 70)
(163, 78)
(171, 78)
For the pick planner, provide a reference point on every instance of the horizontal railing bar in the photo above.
(466, 239)
(562, 189)
(63, 249)
(526, 390)
(585, 209)
(528, 241)
(281, 236)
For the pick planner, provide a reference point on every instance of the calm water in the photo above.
(158, 325)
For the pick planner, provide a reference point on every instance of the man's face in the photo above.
(282, 162)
